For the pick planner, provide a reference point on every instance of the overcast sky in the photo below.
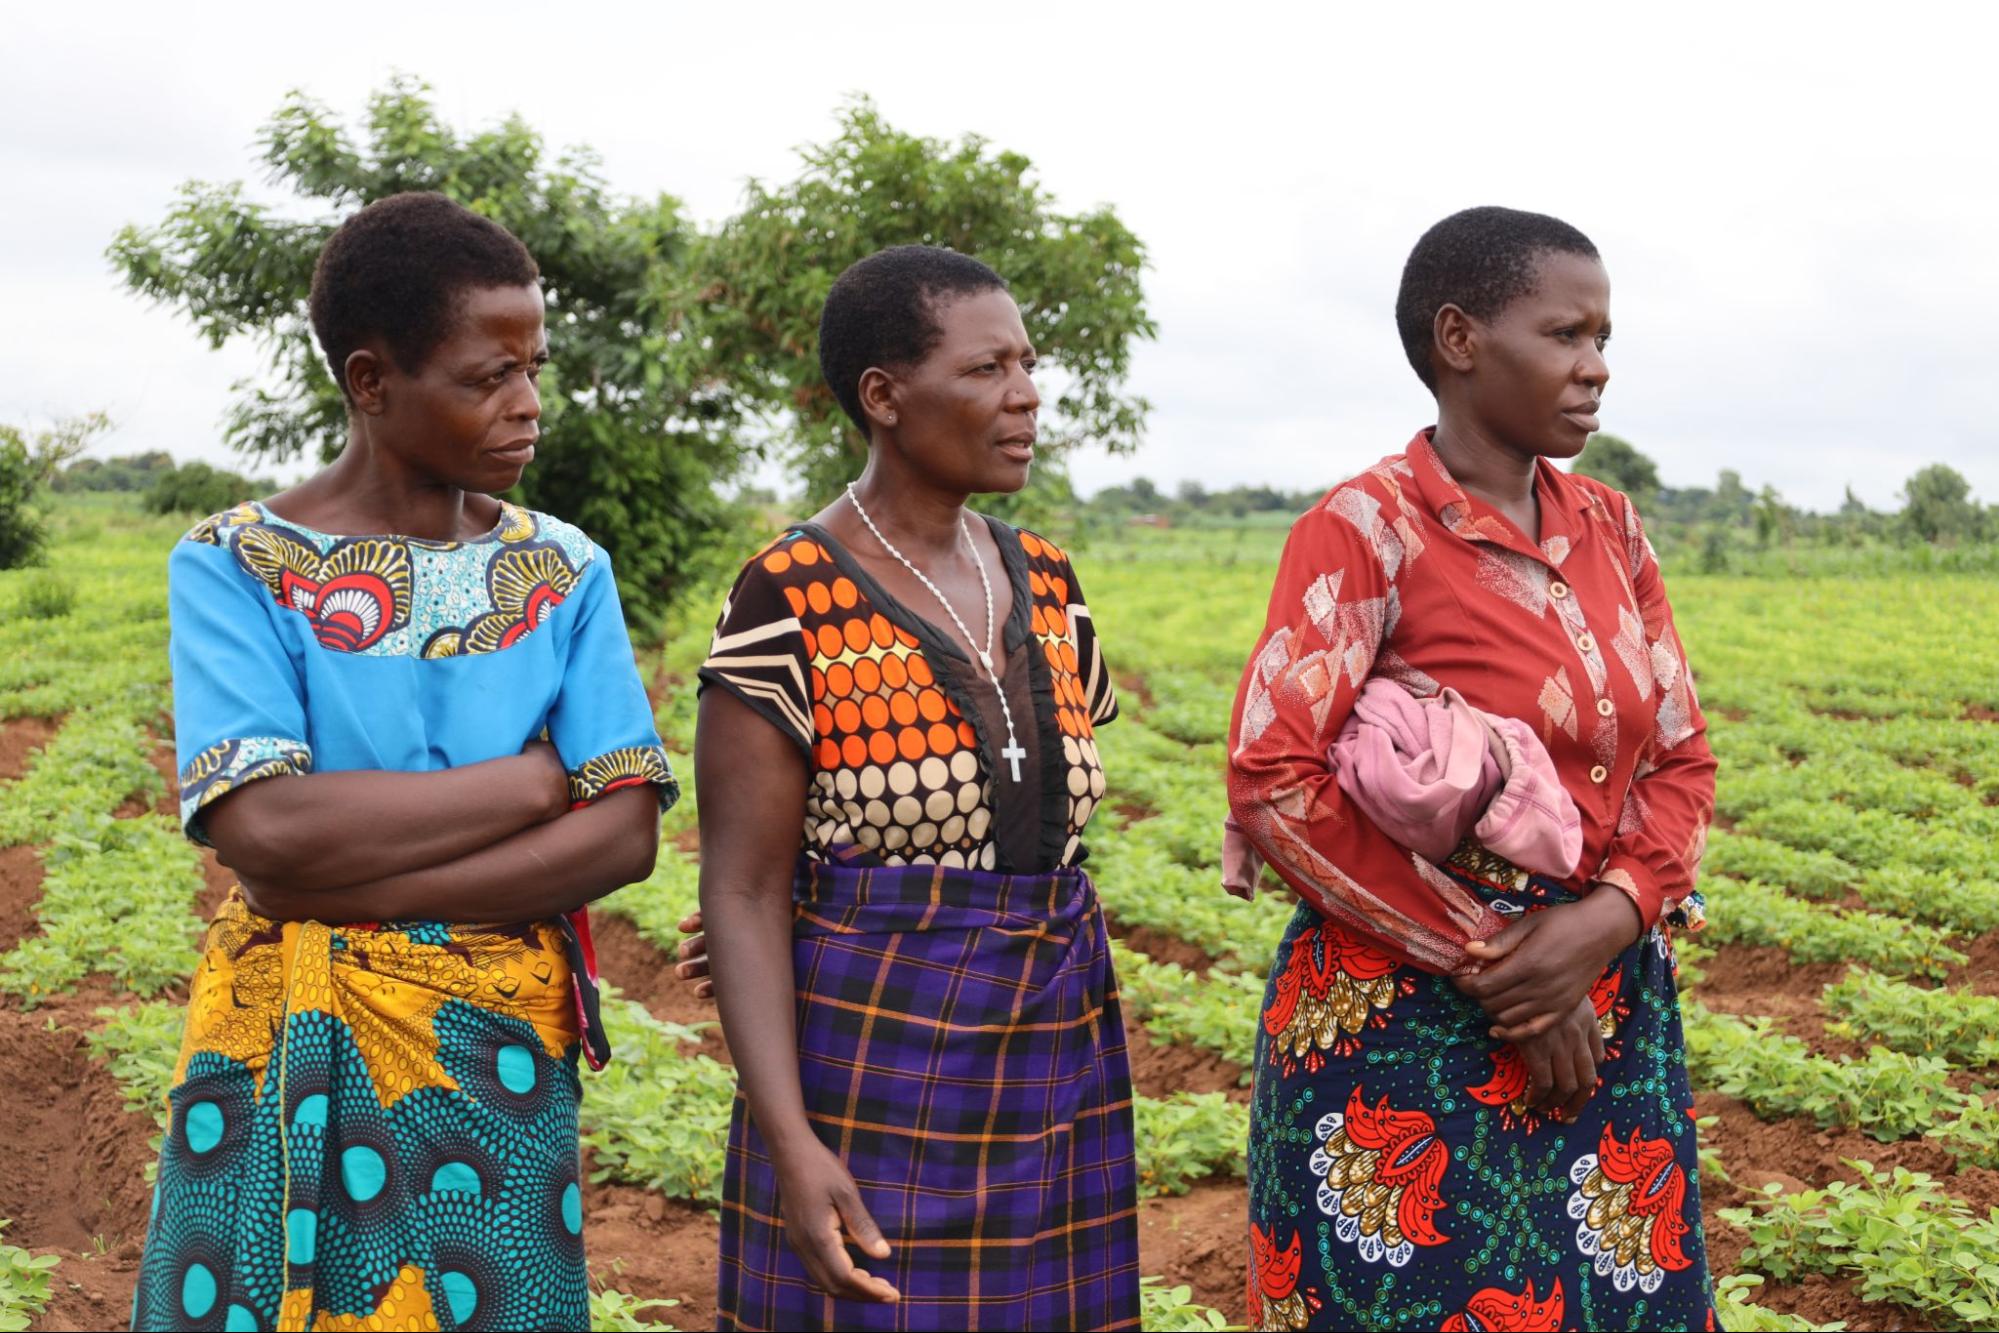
(1798, 214)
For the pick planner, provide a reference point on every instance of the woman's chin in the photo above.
(1008, 478)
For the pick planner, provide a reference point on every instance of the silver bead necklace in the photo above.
(1013, 754)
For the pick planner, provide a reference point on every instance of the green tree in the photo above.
(760, 281)
(1615, 461)
(677, 356)
(129, 472)
(1774, 519)
(28, 463)
(1937, 506)
(199, 488)
(1731, 502)
(637, 437)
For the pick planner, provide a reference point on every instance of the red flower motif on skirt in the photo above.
(1502, 1311)
(1331, 987)
(1629, 1207)
(1507, 1088)
(1379, 1169)
(1275, 1303)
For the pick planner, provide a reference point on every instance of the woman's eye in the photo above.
(1029, 364)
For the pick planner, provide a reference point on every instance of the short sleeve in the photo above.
(759, 654)
(239, 695)
(1098, 692)
(601, 722)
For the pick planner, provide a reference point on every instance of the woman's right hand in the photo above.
(1562, 1062)
(816, 1195)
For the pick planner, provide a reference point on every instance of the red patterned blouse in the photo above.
(1399, 573)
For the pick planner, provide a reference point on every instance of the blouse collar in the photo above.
(1563, 503)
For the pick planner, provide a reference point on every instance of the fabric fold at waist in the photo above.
(831, 898)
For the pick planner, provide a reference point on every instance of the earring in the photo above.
(890, 418)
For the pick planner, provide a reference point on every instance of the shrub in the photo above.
(197, 488)
(45, 595)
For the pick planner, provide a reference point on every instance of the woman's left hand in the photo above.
(693, 955)
(1534, 972)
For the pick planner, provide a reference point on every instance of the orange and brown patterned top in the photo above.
(1399, 573)
(902, 736)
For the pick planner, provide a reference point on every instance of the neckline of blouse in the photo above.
(492, 534)
(1013, 634)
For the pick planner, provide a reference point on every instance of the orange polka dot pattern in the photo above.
(895, 763)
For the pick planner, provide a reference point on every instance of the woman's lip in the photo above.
(516, 453)
(1021, 449)
(1585, 419)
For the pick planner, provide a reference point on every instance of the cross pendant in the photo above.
(1013, 754)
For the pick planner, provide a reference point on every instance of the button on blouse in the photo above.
(1399, 573)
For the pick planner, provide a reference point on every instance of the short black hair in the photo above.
(396, 270)
(1480, 260)
(882, 312)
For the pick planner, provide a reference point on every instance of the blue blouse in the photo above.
(296, 651)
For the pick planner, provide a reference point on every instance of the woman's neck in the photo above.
(923, 521)
(368, 490)
(1485, 467)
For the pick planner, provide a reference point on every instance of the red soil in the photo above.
(71, 1179)
(21, 737)
(20, 889)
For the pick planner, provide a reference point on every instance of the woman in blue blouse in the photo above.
(374, 1116)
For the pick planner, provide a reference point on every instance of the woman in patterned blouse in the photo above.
(409, 719)
(897, 759)
(1471, 1106)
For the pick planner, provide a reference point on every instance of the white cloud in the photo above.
(1796, 214)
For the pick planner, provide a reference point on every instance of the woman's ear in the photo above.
(878, 394)
(364, 370)
(1454, 339)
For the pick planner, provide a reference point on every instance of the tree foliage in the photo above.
(1615, 461)
(28, 463)
(127, 472)
(678, 356)
(760, 280)
(635, 443)
(200, 488)
(1937, 506)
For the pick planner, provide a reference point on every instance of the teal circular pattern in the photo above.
(241, 1319)
(572, 1208)
(204, 1126)
(515, 1066)
(197, 1291)
(302, 1234)
(461, 1294)
(362, 1173)
(460, 1177)
(311, 1111)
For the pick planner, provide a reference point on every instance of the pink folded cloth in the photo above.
(1430, 771)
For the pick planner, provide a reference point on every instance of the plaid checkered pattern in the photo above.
(962, 1049)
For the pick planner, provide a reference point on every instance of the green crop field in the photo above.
(1842, 1010)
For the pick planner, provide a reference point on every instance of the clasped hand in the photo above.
(1533, 980)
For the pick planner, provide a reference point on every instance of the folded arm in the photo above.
(1331, 610)
(316, 832)
(541, 871)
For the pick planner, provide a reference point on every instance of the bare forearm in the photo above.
(539, 872)
(755, 989)
(326, 831)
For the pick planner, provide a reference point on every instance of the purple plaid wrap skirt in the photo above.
(961, 1048)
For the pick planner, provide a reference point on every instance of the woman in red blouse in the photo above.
(1472, 1103)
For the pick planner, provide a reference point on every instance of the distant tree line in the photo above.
(1937, 508)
